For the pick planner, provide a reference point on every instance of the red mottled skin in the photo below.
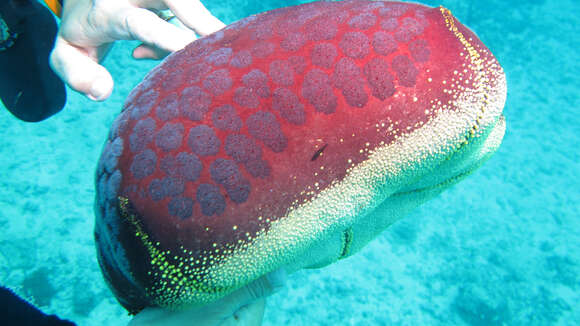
(344, 134)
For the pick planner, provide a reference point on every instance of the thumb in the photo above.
(76, 68)
(250, 314)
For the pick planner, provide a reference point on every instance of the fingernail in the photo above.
(99, 90)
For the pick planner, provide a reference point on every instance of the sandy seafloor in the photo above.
(500, 248)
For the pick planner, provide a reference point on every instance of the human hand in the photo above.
(244, 307)
(89, 28)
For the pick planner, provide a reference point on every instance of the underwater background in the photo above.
(500, 248)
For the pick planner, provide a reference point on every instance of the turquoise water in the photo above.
(500, 248)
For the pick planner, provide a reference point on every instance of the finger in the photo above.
(145, 26)
(145, 51)
(195, 16)
(79, 71)
(277, 279)
(258, 289)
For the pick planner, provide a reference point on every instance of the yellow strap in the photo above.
(55, 6)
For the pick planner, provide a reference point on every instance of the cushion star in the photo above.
(288, 140)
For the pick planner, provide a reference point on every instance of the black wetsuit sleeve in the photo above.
(16, 311)
(29, 89)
